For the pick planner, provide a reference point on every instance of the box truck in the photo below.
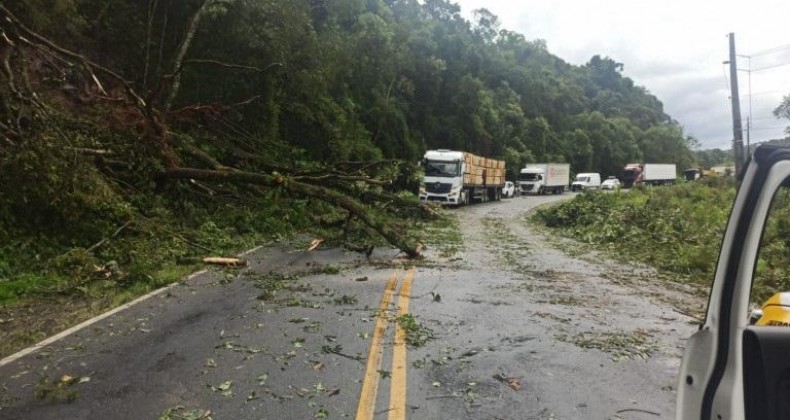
(544, 178)
(649, 174)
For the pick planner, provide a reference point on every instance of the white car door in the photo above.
(733, 370)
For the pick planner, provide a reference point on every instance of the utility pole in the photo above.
(737, 129)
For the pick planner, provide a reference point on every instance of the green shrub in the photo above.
(677, 228)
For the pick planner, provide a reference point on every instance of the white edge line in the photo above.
(72, 330)
(38, 346)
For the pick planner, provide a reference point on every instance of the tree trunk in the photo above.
(182, 51)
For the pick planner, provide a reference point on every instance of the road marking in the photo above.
(370, 384)
(38, 346)
(34, 348)
(397, 409)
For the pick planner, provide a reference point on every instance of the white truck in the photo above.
(649, 174)
(460, 178)
(544, 178)
(586, 181)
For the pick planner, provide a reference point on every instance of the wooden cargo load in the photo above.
(482, 171)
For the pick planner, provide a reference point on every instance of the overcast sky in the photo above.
(675, 49)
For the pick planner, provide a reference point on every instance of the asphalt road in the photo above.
(515, 325)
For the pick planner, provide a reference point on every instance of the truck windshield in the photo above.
(582, 179)
(529, 177)
(442, 168)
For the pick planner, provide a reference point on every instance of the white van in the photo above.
(586, 181)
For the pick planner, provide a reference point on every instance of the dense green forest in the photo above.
(362, 79)
(134, 132)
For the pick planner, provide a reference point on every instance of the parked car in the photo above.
(610, 183)
(509, 190)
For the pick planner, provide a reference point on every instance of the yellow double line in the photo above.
(370, 384)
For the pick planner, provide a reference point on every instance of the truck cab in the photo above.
(737, 365)
(456, 178)
(444, 177)
(530, 180)
(544, 178)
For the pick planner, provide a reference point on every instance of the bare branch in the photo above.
(231, 66)
(339, 177)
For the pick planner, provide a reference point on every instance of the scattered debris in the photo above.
(365, 278)
(620, 345)
(346, 300)
(60, 390)
(230, 345)
(313, 327)
(223, 261)
(637, 410)
(179, 412)
(315, 243)
(416, 334)
(223, 388)
(513, 383)
(337, 349)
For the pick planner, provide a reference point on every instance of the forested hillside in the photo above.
(200, 121)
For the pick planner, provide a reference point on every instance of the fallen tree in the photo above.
(364, 191)
(368, 216)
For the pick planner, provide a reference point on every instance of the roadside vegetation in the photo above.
(677, 229)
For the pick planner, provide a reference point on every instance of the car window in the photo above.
(772, 273)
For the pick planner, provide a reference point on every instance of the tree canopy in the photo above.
(363, 79)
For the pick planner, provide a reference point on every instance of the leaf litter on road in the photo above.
(179, 412)
(621, 345)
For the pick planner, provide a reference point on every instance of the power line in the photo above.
(765, 92)
(770, 67)
(770, 50)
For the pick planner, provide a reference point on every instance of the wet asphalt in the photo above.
(516, 324)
